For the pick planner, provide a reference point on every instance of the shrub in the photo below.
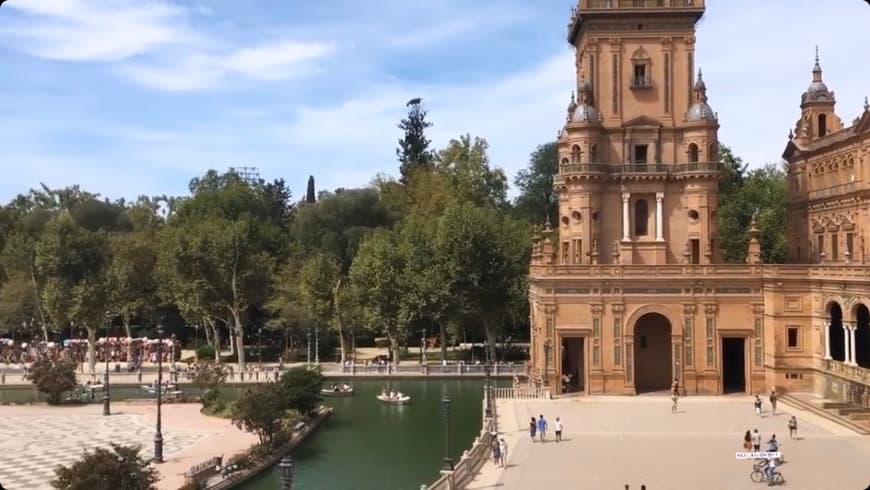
(53, 377)
(205, 352)
(260, 410)
(301, 388)
(122, 467)
(209, 378)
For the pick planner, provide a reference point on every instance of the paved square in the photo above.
(613, 441)
(32, 445)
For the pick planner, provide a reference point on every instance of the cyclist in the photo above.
(769, 470)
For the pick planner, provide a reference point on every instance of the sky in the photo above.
(136, 97)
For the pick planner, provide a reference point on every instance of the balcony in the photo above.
(640, 83)
(640, 4)
(635, 170)
(695, 169)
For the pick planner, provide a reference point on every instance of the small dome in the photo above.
(585, 113)
(700, 111)
(816, 87)
(700, 86)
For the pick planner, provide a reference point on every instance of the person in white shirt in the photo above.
(558, 429)
(502, 451)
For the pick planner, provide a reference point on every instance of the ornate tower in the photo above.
(817, 110)
(638, 155)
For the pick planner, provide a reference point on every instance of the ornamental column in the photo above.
(626, 229)
(852, 357)
(660, 196)
(847, 351)
(827, 341)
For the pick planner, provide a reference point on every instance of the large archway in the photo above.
(862, 336)
(652, 353)
(836, 336)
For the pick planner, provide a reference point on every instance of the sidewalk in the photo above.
(509, 429)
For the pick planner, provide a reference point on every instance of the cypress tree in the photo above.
(413, 151)
(310, 196)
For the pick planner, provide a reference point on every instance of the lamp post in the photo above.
(488, 410)
(158, 436)
(316, 346)
(445, 405)
(548, 346)
(106, 402)
(422, 346)
(260, 348)
(286, 466)
(308, 359)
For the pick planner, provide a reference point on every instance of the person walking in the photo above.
(757, 404)
(542, 427)
(533, 428)
(756, 441)
(773, 398)
(747, 441)
(558, 429)
(792, 427)
(496, 453)
(502, 449)
(674, 398)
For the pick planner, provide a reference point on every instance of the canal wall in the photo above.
(298, 437)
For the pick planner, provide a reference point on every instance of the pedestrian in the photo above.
(757, 404)
(502, 449)
(756, 441)
(496, 453)
(533, 428)
(558, 429)
(674, 398)
(675, 387)
(747, 441)
(792, 427)
(542, 427)
(773, 398)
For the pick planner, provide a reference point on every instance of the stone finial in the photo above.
(548, 228)
(866, 104)
(790, 134)
(753, 255)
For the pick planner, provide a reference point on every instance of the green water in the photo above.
(368, 445)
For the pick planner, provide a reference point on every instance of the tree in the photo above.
(413, 151)
(74, 262)
(537, 201)
(377, 274)
(209, 378)
(310, 195)
(485, 260)
(319, 281)
(131, 276)
(123, 468)
(260, 410)
(19, 306)
(761, 194)
(54, 377)
(466, 163)
(301, 388)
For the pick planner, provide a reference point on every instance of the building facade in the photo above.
(628, 290)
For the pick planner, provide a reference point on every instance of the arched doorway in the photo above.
(862, 336)
(836, 336)
(652, 353)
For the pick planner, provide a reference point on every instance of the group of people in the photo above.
(499, 451)
(752, 442)
(539, 427)
(392, 395)
(758, 404)
(343, 387)
(117, 349)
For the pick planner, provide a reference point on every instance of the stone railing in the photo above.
(521, 393)
(852, 373)
(639, 4)
(617, 170)
(203, 470)
(467, 467)
(733, 271)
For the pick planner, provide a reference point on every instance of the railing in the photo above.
(854, 373)
(410, 368)
(617, 170)
(639, 4)
(641, 82)
(736, 271)
(522, 393)
(197, 471)
(467, 466)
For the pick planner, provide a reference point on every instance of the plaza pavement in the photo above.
(609, 442)
(35, 439)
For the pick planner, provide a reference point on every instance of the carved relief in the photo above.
(758, 309)
(618, 308)
(689, 310)
(711, 309)
(550, 309)
(596, 309)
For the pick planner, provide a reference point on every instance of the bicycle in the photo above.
(758, 476)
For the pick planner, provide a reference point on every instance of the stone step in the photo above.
(827, 414)
(830, 405)
(860, 416)
(852, 410)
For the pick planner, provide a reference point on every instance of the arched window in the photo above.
(575, 154)
(641, 218)
(693, 153)
(823, 125)
(593, 154)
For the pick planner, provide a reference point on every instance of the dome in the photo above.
(700, 111)
(585, 112)
(816, 87)
(700, 86)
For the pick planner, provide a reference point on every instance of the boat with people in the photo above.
(336, 390)
(394, 397)
(166, 388)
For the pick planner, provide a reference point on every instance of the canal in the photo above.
(368, 445)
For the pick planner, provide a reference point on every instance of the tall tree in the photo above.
(377, 274)
(466, 163)
(132, 284)
(74, 262)
(413, 150)
(310, 195)
(537, 201)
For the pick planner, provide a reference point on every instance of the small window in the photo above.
(823, 125)
(640, 153)
(641, 75)
(565, 252)
(834, 247)
(820, 244)
(641, 218)
(850, 242)
(575, 154)
(593, 154)
(793, 337)
(693, 153)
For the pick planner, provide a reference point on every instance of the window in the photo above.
(640, 75)
(834, 247)
(793, 334)
(578, 248)
(823, 125)
(575, 154)
(640, 153)
(696, 250)
(820, 244)
(641, 218)
(593, 154)
(693, 153)
(850, 242)
(565, 248)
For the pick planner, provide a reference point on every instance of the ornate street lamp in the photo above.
(445, 405)
(260, 347)
(316, 346)
(308, 359)
(106, 402)
(286, 466)
(422, 346)
(158, 436)
(486, 370)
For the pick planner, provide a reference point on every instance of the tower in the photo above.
(817, 110)
(638, 155)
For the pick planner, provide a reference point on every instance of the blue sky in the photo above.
(129, 97)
